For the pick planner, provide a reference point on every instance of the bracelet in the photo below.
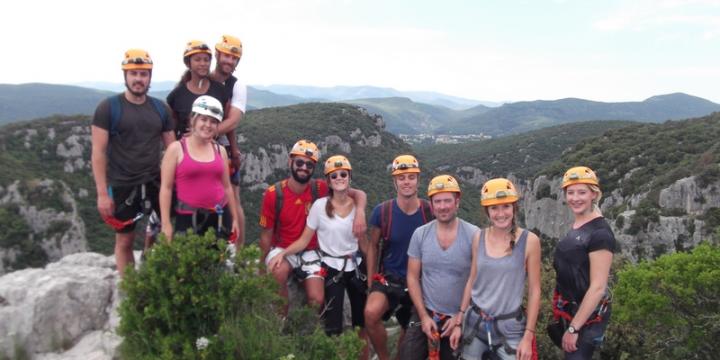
(530, 330)
(462, 311)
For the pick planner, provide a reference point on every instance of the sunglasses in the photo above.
(308, 164)
(342, 174)
(212, 109)
(203, 47)
(137, 61)
(405, 166)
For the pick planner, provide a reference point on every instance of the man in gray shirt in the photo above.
(440, 255)
(129, 131)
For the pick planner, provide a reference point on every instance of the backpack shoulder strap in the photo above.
(386, 219)
(426, 211)
(115, 113)
(278, 201)
(161, 110)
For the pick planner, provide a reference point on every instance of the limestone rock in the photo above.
(66, 306)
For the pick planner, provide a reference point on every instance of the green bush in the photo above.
(672, 304)
(184, 303)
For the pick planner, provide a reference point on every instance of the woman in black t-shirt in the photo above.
(582, 263)
(194, 83)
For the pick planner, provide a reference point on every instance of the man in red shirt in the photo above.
(283, 225)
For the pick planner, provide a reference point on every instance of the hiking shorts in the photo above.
(306, 262)
(415, 342)
(398, 299)
(129, 202)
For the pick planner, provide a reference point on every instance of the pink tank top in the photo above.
(199, 184)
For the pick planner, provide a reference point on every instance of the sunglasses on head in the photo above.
(342, 174)
(203, 47)
(405, 166)
(308, 164)
(137, 61)
(213, 109)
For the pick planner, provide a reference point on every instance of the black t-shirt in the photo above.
(572, 260)
(181, 99)
(134, 152)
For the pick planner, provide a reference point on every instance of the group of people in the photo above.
(196, 180)
(456, 290)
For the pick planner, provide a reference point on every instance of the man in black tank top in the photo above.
(227, 54)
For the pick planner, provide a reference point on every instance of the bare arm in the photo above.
(231, 121)
(415, 291)
(100, 138)
(371, 257)
(265, 242)
(600, 262)
(229, 194)
(465, 302)
(360, 222)
(532, 265)
(167, 180)
(299, 245)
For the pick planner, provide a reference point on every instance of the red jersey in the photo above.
(293, 215)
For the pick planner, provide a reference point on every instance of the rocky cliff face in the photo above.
(544, 210)
(65, 311)
(50, 213)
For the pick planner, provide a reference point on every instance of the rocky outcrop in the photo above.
(545, 211)
(65, 311)
(57, 229)
(686, 194)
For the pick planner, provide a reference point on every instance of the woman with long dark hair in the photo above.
(505, 258)
(332, 218)
(194, 83)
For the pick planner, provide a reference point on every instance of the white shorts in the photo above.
(310, 263)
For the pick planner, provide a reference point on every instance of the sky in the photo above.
(504, 50)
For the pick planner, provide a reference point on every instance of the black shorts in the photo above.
(205, 221)
(398, 298)
(129, 202)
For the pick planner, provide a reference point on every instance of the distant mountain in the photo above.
(336, 93)
(118, 86)
(403, 116)
(529, 115)
(30, 101)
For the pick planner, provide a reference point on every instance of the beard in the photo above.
(298, 178)
(137, 93)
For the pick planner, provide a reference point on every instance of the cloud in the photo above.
(647, 15)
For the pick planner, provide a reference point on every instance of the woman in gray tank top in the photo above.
(506, 257)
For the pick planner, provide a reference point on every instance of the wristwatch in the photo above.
(571, 329)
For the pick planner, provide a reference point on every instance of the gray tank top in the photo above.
(500, 282)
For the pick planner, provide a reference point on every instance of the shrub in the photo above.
(672, 304)
(184, 303)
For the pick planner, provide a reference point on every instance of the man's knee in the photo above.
(282, 273)
(124, 241)
(315, 291)
(375, 308)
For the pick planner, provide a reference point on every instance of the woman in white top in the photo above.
(332, 218)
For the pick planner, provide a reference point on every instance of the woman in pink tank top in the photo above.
(196, 166)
